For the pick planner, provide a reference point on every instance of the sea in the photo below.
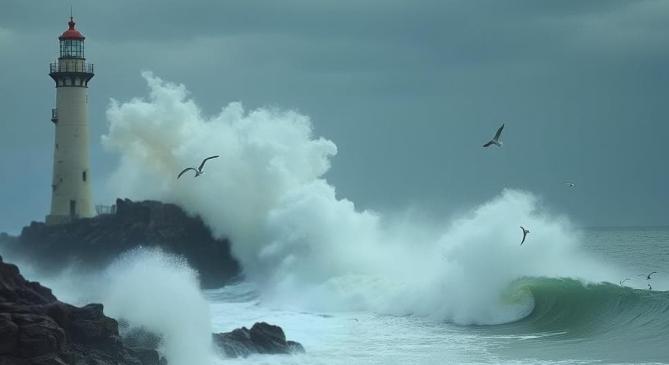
(571, 322)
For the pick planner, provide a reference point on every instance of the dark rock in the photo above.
(236, 343)
(90, 326)
(147, 356)
(95, 242)
(295, 347)
(268, 338)
(36, 328)
(8, 334)
(262, 338)
(40, 335)
(14, 289)
(140, 338)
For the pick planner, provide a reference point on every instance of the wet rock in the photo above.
(36, 328)
(262, 338)
(95, 242)
(139, 337)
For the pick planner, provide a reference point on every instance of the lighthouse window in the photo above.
(72, 48)
(83, 175)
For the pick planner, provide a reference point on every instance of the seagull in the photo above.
(198, 171)
(495, 140)
(525, 232)
(623, 281)
(570, 184)
(649, 275)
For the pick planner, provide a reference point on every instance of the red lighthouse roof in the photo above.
(71, 33)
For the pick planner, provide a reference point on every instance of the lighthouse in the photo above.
(71, 182)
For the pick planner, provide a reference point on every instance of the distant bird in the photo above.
(648, 277)
(570, 184)
(495, 140)
(623, 281)
(198, 171)
(525, 232)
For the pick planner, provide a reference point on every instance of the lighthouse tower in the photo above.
(71, 183)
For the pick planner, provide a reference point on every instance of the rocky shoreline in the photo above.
(262, 338)
(95, 242)
(37, 328)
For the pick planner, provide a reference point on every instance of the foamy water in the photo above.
(347, 337)
(576, 323)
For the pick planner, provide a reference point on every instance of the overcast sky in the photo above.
(408, 90)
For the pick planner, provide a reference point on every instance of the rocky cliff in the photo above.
(36, 328)
(95, 242)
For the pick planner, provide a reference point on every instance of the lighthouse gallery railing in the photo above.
(71, 67)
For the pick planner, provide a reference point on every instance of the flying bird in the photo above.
(198, 171)
(495, 140)
(621, 282)
(525, 232)
(570, 184)
(648, 277)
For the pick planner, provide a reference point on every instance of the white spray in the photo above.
(160, 293)
(148, 289)
(305, 246)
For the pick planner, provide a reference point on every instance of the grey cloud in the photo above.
(408, 90)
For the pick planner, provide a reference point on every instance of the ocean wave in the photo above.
(573, 308)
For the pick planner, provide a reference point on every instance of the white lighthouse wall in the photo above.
(71, 169)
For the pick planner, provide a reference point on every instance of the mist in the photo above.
(159, 293)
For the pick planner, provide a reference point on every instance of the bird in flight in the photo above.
(198, 171)
(648, 277)
(621, 282)
(495, 140)
(525, 232)
(570, 184)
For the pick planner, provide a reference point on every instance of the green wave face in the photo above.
(573, 320)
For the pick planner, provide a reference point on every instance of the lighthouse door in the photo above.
(73, 209)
